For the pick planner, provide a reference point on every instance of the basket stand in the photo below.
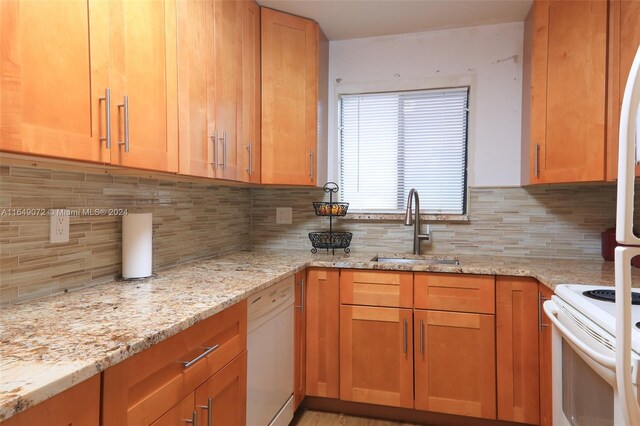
(330, 240)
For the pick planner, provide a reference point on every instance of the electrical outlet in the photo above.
(284, 215)
(58, 226)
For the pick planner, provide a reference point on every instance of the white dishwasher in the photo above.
(270, 355)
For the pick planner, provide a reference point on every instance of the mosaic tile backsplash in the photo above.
(193, 220)
(190, 221)
(549, 221)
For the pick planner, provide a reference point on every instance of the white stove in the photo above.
(600, 312)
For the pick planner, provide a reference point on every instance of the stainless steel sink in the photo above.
(425, 260)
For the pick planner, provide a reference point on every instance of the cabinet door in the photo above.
(299, 364)
(544, 345)
(77, 406)
(226, 395)
(249, 128)
(228, 80)
(376, 355)
(568, 85)
(323, 313)
(196, 89)
(53, 72)
(517, 349)
(624, 39)
(143, 70)
(289, 98)
(182, 414)
(455, 363)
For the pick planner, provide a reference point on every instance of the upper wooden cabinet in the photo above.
(624, 40)
(249, 132)
(564, 90)
(103, 90)
(294, 62)
(51, 97)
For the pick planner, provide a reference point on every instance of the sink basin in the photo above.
(430, 260)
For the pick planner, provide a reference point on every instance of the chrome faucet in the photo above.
(408, 221)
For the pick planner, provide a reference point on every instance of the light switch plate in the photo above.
(284, 215)
(58, 226)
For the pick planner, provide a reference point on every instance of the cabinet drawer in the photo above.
(455, 292)
(376, 288)
(143, 387)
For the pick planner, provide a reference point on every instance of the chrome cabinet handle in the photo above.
(250, 169)
(421, 336)
(541, 300)
(311, 165)
(404, 336)
(193, 420)
(125, 105)
(107, 113)
(214, 139)
(537, 160)
(301, 305)
(209, 408)
(224, 151)
(187, 364)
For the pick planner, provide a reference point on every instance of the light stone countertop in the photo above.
(49, 345)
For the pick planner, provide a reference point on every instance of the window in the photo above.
(392, 142)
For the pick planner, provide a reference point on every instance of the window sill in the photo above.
(398, 217)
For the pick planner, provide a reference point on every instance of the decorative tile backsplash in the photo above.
(190, 221)
(193, 220)
(549, 221)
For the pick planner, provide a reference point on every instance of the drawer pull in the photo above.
(187, 364)
(404, 336)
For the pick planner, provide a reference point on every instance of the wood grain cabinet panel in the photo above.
(183, 414)
(376, 355)
(376, 288)
(544, 344)
(565, 79)
(50, 97)
(226, 391)
(323, 328)
(300, 324)
(293, 57)
(141, 388)
(455, 363)
(517, 349)
(143, 69)
(455, 292)
(249, 126)
(77, 406)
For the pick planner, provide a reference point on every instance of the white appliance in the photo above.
(596, 340)
(270, 356)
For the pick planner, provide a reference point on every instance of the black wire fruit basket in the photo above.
(330, 240)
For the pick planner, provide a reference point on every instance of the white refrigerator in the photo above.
(628, 157)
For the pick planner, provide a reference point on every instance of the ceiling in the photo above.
(345, 19)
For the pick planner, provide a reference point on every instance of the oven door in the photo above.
(583, 369)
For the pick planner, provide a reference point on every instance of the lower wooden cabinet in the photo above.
(299, 340)
(376, 355)
(180, 414)
(455, 364)
(544, 347)
(323, 310)
(517, 349)
(141, 389)
(77, 406)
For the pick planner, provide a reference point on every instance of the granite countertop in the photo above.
(49, 345)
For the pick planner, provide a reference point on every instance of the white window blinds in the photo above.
(392, 142)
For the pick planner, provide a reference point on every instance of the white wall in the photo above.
(488, 58)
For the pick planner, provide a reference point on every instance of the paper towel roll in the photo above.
(137, 245)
